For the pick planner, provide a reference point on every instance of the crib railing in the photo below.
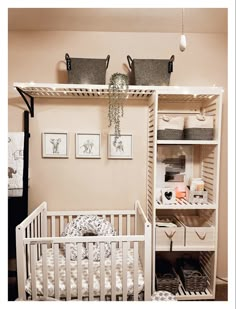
(39, 231)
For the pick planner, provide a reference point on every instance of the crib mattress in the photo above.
(85, 277)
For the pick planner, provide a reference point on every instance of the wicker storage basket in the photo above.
(170, 128)
(86, 70)
(198, 127)
(166, 278)
(191, 275)
(150, 71)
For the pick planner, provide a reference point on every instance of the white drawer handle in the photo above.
(201, 237)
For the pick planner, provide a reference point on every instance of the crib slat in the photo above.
(35, 227)
(135, 271)
(112, 220)
(90, 270)
(39, 234)
(70, 219)
(53, 226)
(32, 229)
(128, 228)
(79, 271)
(45, 270)
(102, 272)
(33, 258)
(56, 270)
(28, 247)
(120, 229)
(113, 271)
(124, 269)
(61, 224)
(68, 286)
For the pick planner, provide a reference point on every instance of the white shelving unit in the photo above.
(170, 100)
(205, 164)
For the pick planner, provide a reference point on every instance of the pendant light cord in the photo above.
(182, 21)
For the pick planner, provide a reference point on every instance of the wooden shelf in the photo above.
(75, 91)
(182, 294)
(187, 142)
(184, 204)
(185, 248)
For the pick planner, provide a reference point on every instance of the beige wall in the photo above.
(101, 183)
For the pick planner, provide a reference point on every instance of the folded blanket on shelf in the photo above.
(15, 163)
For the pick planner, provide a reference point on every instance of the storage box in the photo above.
(197, 197)
(86, 70)
(170, 128)
(198, 231)
(150, 71)
(198, 127)
(164, 234)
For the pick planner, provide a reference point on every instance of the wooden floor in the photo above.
(222, 292)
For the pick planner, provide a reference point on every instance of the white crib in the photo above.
(44, 273)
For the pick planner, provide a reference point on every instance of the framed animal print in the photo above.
(55, 144)
(121, 147)
(88, 145)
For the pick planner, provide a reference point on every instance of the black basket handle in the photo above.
(130, 60)
(194, 273)
(68, 62)
(107, 61)
(170, 64)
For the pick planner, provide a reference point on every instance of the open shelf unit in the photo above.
(169, 100)
(205, 164)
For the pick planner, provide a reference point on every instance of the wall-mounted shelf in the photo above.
(30, 91)
(187, 142)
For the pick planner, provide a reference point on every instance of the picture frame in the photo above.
(174, 165)
(55, 144)
(88, 145)
(122, 149)
(168, 196)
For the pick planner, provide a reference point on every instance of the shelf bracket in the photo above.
(29, 100)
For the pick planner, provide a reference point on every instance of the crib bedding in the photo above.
(85, 276)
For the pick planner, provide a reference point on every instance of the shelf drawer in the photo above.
(199, 232)
(164, 235)
(200, 236)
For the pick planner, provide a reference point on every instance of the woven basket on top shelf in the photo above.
(198, 127)
(170, 128)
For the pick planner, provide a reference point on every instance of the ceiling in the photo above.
(199, 20)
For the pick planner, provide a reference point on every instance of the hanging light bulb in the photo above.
(183, 42)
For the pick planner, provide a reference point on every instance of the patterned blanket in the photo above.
(15, 163)
(85, 276)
